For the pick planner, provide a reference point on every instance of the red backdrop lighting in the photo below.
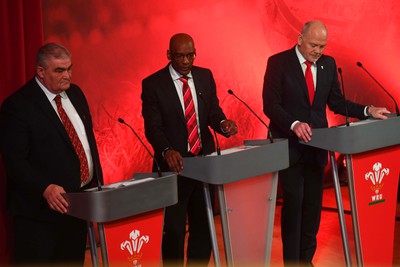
(115, 44)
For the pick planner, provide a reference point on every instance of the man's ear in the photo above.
(300, 39)
(40, 72)
(168, 55)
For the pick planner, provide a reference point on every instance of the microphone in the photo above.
(97, 172)
(269, 132)
(344, 97)
(395, 104)
(148, 151)
(217, 143)
(200, 94)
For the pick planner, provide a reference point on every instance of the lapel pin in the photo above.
(322, 67)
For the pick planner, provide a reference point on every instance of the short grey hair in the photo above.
(50, 50)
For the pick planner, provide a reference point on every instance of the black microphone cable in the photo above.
(269, 131)
(148, 151)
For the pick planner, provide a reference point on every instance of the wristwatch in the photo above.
(165, 151)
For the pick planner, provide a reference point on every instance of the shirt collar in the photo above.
(300, 56)
(50, 96)
(176, 75)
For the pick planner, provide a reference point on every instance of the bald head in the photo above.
(314, 27)
(181, 53)
(180, 38)
(312, 40)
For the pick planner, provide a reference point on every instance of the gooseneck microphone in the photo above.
(200, 94)
(148, 151)
(345, 99)
(269, 132)
(395, 103)
(217, 143)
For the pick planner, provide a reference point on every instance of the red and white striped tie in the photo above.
(190, 116)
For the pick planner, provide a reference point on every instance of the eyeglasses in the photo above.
(180, 57)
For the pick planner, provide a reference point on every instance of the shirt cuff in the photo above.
(366, 113)
(221, 127)
(292, 126)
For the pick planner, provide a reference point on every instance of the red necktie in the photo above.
(310, 81)
(73, 136)
(190, 116)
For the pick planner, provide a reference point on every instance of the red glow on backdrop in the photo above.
(115, 44)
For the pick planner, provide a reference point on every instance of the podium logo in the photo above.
(134, 246)
(376, 177)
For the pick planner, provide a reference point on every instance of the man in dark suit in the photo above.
(42, 161)
(165, 119)
(293, 115)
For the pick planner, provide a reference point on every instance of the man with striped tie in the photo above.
(179, 105)
(48, 148)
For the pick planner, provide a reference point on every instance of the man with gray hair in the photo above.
(48, 149)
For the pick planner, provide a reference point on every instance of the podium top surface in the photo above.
(359, 137)
(255, 157)
(124, 199)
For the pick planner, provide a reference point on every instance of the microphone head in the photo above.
(121, 120)
(359, 64)
(339, 70)
(230, 92)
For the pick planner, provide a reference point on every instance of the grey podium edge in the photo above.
(264, 157)
(117, 203)
(359, 137)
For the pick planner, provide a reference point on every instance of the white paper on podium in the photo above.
(232, 150)
(122, 184)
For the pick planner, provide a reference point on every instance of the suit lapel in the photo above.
(199, 85)
(48, 111)
(298, 74)
(320, 75)
(169, 92)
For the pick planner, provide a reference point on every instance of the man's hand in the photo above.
(174, 160)
(54, 198)
(303, 131)
(229, 127)
(379, 113)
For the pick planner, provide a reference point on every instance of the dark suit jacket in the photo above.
(164, 121)
(37, 150)
(285, 98)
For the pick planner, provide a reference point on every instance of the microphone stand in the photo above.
(269, 132)
(217, 143)
(148, 151)
(345, 99)
(395, 104)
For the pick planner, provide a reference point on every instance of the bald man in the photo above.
(286, 97)
(167, 130)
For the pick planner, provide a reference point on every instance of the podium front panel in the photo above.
(135, 241)
(251, 209)
(376, 177)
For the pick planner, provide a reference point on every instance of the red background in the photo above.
(115, 44)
